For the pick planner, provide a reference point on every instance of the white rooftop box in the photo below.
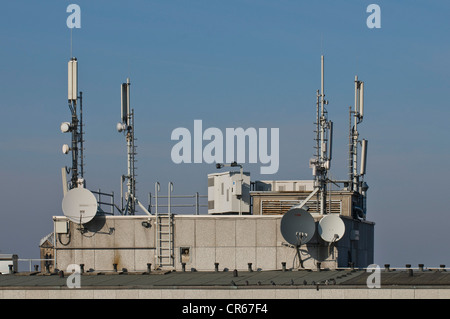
(6, 260)
(229, 192)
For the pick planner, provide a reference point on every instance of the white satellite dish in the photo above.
(297, 226)
(331, 228)
(65, 149)
(65, 127)
(79, 205)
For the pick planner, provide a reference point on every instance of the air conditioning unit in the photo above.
(229, 193)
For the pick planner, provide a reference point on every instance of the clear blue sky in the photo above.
(230, 63)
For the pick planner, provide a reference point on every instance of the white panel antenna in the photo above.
(73, 80)
(125, 100)
(64, 181)
(361, 100)
(363, 157)
(330, 140)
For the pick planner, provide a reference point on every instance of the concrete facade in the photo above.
(232, 241)
(229, 293)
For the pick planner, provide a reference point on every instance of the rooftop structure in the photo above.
(244, 224)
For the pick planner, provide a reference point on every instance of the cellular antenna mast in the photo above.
(75, 127)
(356, 179)
(127, 125)
(324, 132)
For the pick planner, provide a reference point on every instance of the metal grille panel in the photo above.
(280, 207)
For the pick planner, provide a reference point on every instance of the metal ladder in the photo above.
(164, 232)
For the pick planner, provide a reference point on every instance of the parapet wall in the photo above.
(232, 241)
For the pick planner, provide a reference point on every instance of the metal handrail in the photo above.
(184, 196)
(36, 259)
(111, 203)
(196, 196)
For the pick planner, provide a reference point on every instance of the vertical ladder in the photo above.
(164, 240)
(164, 233)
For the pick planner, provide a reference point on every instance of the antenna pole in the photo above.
(350, 149)
(318, 126)
(323, 158)
(321, 163)
(74, 179)
(356, 179)
(81, 139)
(354, 135)
(322, 113)
(71, 42)
(131, 160)
(76, 126)
(127, 125)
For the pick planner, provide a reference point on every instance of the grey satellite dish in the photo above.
(79, 205)
(331, 228)
(297, 226)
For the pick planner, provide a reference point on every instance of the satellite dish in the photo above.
(297, 226)
(331, 228)
(65, 149)
(65, 127)
(79, 205)
(121, 127)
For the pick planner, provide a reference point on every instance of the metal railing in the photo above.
(196, 197)
(111, 204)
(31, 260)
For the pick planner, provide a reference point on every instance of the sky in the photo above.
(231, 64)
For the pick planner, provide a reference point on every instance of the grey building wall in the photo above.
(359, 251)
(104, 241)
(233, 241)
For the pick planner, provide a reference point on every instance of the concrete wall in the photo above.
(228, 293)
(107, 240)
(232, 241)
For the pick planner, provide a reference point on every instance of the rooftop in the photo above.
(344, 278)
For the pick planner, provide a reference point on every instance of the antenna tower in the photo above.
(356, 179)
(127, 126)
(75, 127)
(324, 132)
